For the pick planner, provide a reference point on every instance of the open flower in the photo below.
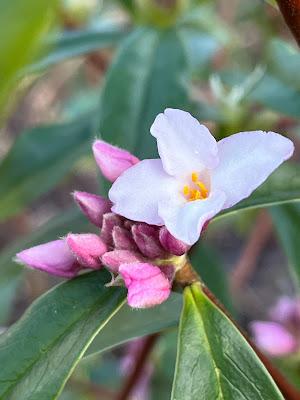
(195, 177)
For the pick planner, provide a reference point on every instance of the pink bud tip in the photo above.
(146, 238)
(52, 257)
(171, 244)
(93, 206)
(147, 285)
(122, 239)
(273, 338)
(88, 248)
(112, 160)
(110, 220)
(113, 259)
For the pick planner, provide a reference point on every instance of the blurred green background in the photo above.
(74, 70)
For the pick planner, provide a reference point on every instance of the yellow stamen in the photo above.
(198, 190)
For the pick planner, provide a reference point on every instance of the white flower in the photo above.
(195, 177)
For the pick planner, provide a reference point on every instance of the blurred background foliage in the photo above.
(73, 70)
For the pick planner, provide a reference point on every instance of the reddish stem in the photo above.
(290, 10)
(138, 368)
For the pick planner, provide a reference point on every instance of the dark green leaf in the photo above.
(42, 349)
(287, 222)
(283, 186)
(71, 44)
(129, 323)
(214, 360)
(39, 159)
(146, 77)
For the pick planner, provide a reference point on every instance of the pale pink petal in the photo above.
(93, 206)
(136, 193)
(147, 285)
(185, 222)
(273, 338)
(112, 160)
(52, 257)
(88, 248)
(246, 161)
(184, 145)
(113, 259)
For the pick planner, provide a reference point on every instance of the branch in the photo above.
(290, 10)
(138, 368)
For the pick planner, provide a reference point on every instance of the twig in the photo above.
(138, 368)
(290, 10)
(247, 262)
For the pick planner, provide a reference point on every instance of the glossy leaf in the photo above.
(129, 323)
(39, 159)
(214, 360)
(287, 223)
(146, 77)
(42, 349)
(71, 44)
(283, 186)
(22, 26)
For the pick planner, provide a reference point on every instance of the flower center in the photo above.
(196, 190)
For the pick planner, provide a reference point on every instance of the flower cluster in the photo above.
(144, 256)
(280, 336)
(159, 207)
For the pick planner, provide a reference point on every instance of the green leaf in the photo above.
(283, 186)
(42, 349)
(129, 323)
(22, 26)
(71, 44)
(287, 223)
(10, 272)
(39, 159)
(146, 76)
(214, 361)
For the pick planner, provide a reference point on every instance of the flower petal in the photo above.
(273, 338)
(185, 222)
(137, 191)
(246, 161)
(52, 257)
(147, 285)
(184, 145)
(93, 206)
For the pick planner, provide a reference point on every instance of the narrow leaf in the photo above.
(39, 159)
(214, 360)
(42, 349)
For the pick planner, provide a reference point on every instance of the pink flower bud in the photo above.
(52, 257)
(146, 238)
(273, 338)
(171, 244)
(93, 206)
(287, 312)
(122, 239)
(112, 160)
(147, 285)
(88, 248)
(113, 259)
(110, 220)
